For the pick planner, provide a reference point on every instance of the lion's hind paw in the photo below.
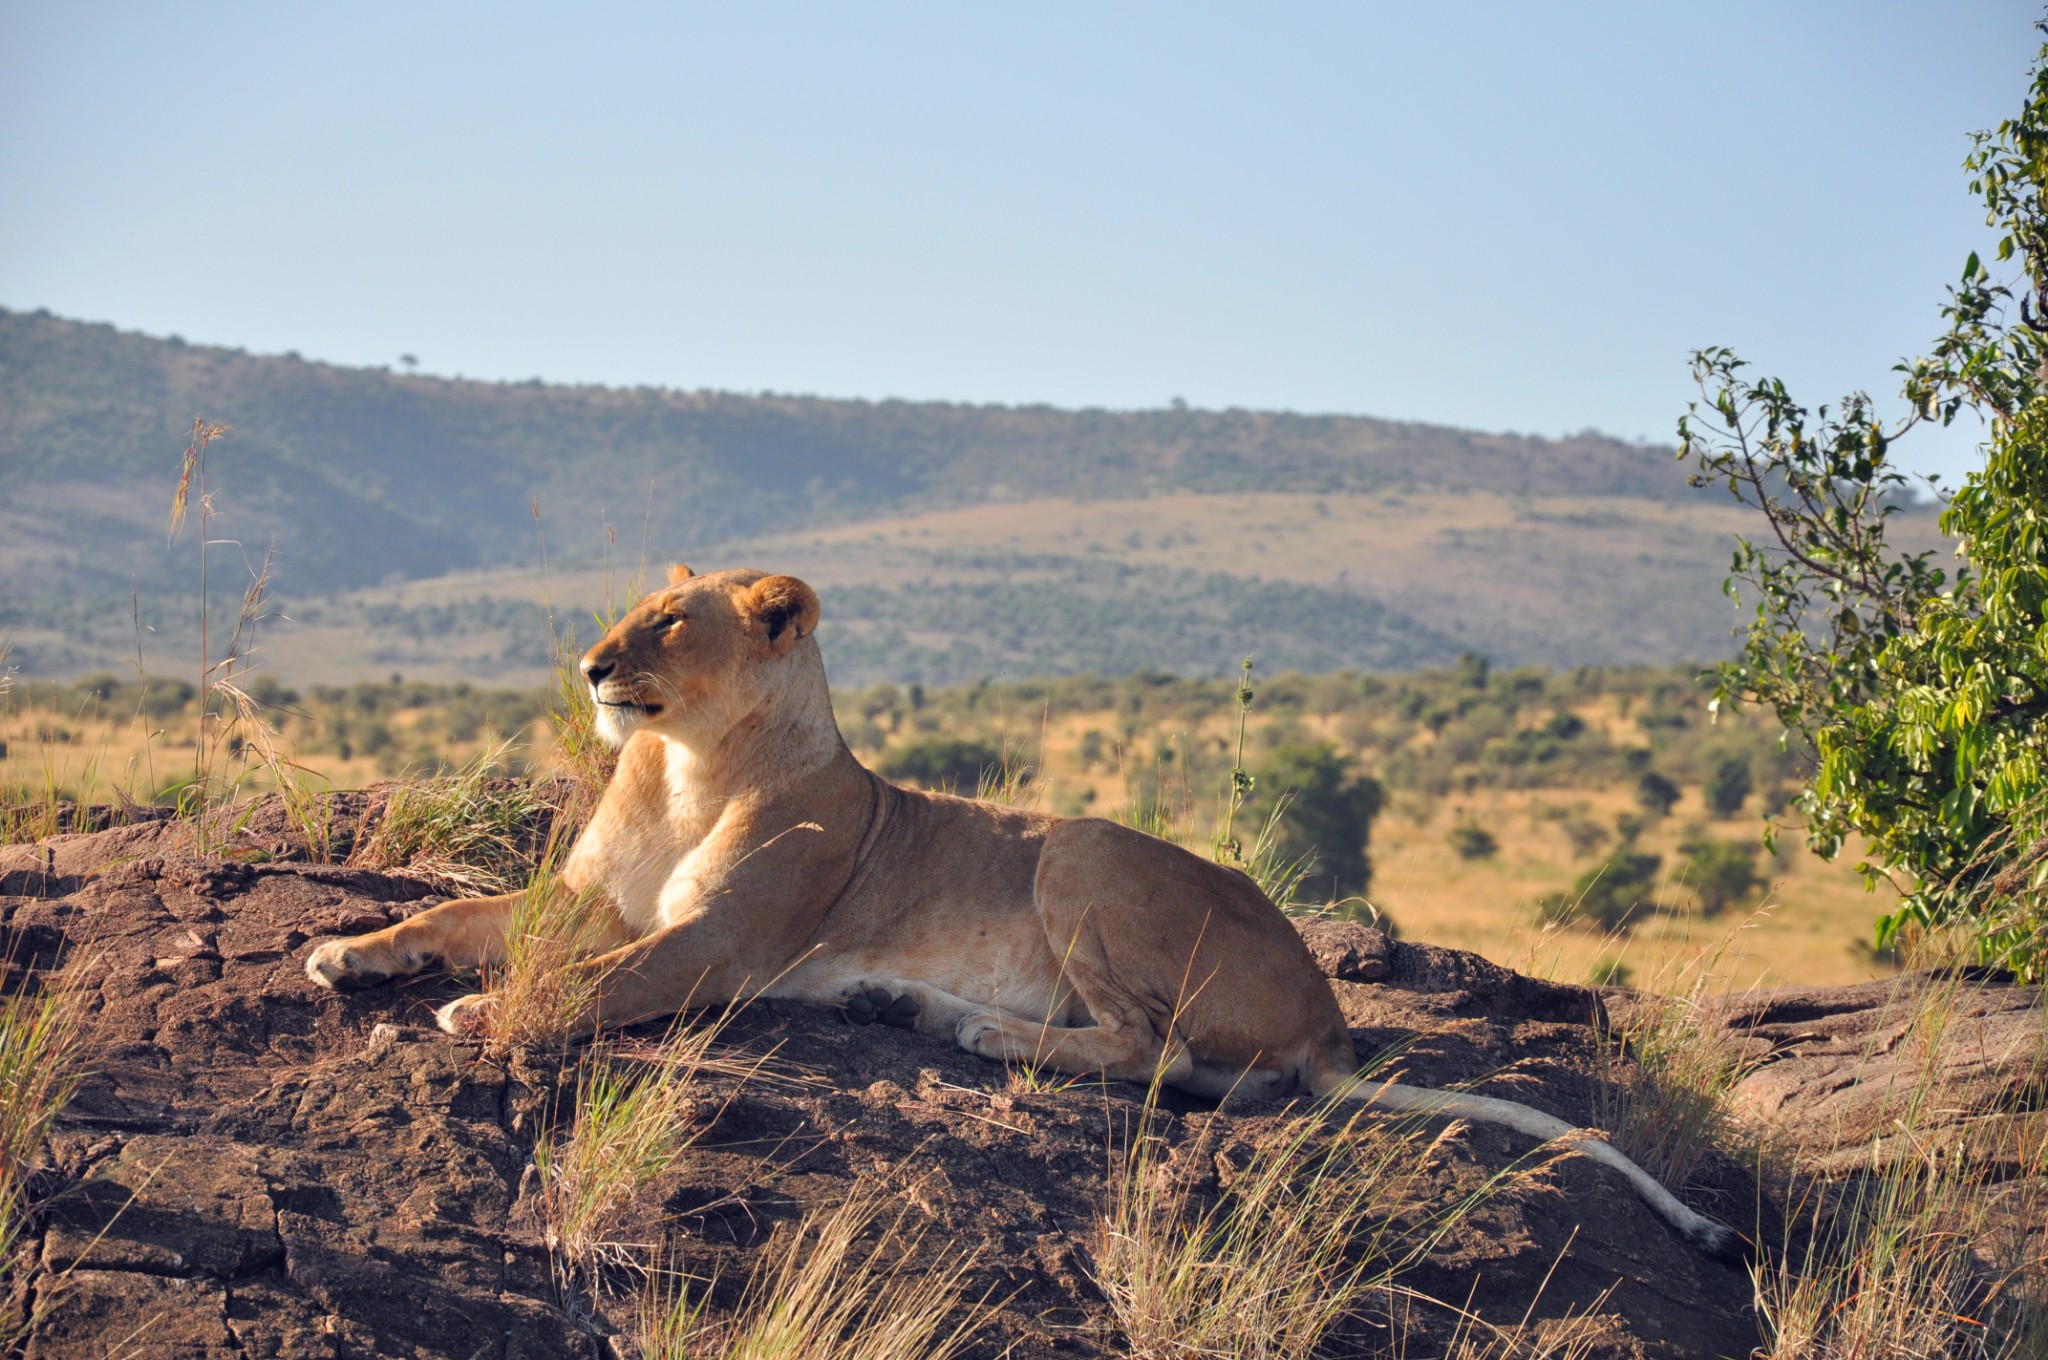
(872, 1005)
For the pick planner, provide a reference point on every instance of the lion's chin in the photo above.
(616, 722)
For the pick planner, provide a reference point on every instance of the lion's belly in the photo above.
(987, 953)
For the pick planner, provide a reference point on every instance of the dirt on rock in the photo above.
(255, 1167)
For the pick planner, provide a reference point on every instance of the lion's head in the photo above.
(695, 657)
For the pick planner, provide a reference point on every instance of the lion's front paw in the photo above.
(467, 1016)
(344, 966)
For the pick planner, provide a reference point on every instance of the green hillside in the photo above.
(362, 475)
(950, 542)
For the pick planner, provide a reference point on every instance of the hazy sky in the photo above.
(1504, 216)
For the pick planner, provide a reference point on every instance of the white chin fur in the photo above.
(614, 725)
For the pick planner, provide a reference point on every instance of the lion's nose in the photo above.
(596, 671)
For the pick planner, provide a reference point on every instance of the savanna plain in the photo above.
(1455, 724)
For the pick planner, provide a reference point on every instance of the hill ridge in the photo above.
(362, 475)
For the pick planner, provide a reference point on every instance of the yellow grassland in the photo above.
(1563, 579)
(1811, 929)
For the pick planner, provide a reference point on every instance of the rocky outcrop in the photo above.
(255, 1167)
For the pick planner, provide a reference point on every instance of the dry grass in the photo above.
(1671, 1078)
(1932, 1250)
(472, 832)
(42, 1042)
(636, 1115)
(538, 994)
(1893, 1271)
(1581, 1332)
(306, 796)
(1320, 1218)
(841, 1286)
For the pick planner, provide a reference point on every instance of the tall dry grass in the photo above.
(42, 1050)
(1320, 1218)
(537, 992)
(473, 833)
(1667, 1100)
(843, 1285)
(1936, 1246)
(637, 1112)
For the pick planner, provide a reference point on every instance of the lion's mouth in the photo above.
(630, 706)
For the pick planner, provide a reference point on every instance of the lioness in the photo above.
(744, 851)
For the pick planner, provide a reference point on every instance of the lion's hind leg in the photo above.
(1121, 1052)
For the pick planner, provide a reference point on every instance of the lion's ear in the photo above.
(782, 603)
(679, 573)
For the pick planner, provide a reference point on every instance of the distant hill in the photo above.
(363, 476)
(950, 541)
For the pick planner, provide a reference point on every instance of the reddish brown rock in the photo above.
(259, 1168)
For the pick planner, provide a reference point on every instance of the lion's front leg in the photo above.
(469, 933)
(683, 967)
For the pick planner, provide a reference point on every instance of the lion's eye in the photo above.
(674, 620)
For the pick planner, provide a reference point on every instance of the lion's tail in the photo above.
(1716, 1239)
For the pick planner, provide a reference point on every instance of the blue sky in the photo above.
(1500, 216)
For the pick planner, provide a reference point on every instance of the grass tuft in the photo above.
(470, 832)
(635, 1116)
(42, 1041)
(1933, 1249)
(1320, 1218)
(839, 1287)
(1671, 1075)
(538, 994)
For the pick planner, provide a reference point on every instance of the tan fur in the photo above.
(748, 853)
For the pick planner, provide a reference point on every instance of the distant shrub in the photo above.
(1329, 816)
(951, 763)
(1657, 794)
(1609, 895)
(1585, 835)
(1727, 786)
(1472, 841)
(1721, 874)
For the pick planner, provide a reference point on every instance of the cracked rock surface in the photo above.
(255, 1167)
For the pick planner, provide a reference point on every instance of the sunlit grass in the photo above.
(841, 1285)
(473, 832)
(1320, 1217)
(42, 1049)
(636, 1114)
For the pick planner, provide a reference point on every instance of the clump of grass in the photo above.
(1278, 874)
(42, 1041)
(471, 832)
(1671, 1073)
(1893, 1270)
(538, 994)
(1922, 1253)
(1010, 782)
(839, 1287)
(635, 1116)
(307, 799)
(1578, 1334)
(1320, 1218)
